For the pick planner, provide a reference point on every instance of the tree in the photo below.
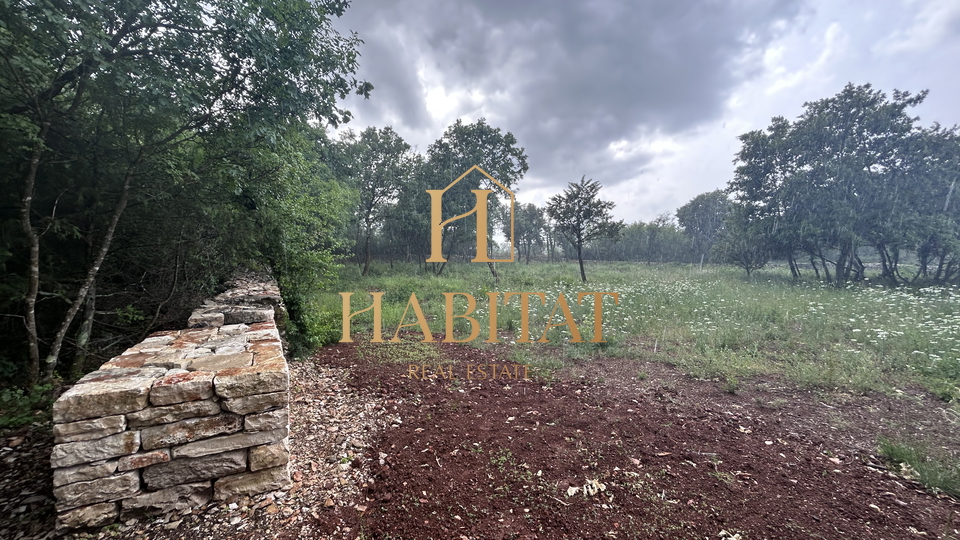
(846, 174)
(581, 217)
(462, 146)
(702, 219)
(743, 242)
(529, 228)
(378, 163)
(100, 100)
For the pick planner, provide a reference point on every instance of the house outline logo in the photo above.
(437, 223)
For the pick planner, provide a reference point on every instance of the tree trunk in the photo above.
(54, 354)
(826, 269)
(583, 275)
(366, 249)
(33, 287)
(85, 331)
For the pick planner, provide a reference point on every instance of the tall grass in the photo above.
(714, 323)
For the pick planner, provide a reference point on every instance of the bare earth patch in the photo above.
(595, 453)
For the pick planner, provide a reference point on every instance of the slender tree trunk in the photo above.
(85, 331)
(813, 263)
(826, 268)
(583, 275)
(33, 241)
(366, 249)
(943, 258)
(54, 354)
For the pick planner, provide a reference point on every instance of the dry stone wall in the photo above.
(181, 418)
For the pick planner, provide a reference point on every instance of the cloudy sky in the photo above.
(646, 97)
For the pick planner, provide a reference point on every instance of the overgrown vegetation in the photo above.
(917, 463)
(19, 408)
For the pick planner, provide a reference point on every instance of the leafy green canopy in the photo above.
(854, 170)
(193, 114)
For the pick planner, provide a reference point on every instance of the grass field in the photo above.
(712, 324)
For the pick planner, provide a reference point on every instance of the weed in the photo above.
(19, 408)
(915, 461)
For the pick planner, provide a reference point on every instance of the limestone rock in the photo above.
(198, 320)
(180, 471)
(95, 399)
(247, 315)
(121, 444)
(81, 473)
(153, 416)
(226, 443)
(255, 403)
(232, 329)
(179, 497)
(189, 430)
(269, 456)
(110, 488)
(266, 421)
(144, 459)
(95, 515)
(216, 362)
(173, 359)
(181, 387)
(86, 430)
(246, 381)
(252, 483)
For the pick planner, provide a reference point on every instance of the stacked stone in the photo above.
(179, 419)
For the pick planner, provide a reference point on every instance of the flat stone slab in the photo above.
(266, 421)
(257, 379)
(95, 515)
(171, 359)
(174, 498)
(233, 329)
(252, 483)
(181, 387)
(121, 444)
(247, 316)
(110, 488)
(143, 459)
(227, 443)
(256, 403)
(85, 430)
(269, 456)
(199, 320)
(217, 362)
(84, 472)
(189, 430)
(98, 398)
(182, 471)
(153, 416)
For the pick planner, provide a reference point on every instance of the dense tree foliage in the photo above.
(853, 171)
(378, 163)
(195, 116)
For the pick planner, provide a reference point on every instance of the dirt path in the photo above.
(598, 453)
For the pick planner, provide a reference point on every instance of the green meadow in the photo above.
(714, 323)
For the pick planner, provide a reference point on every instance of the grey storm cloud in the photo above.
(567, 78)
